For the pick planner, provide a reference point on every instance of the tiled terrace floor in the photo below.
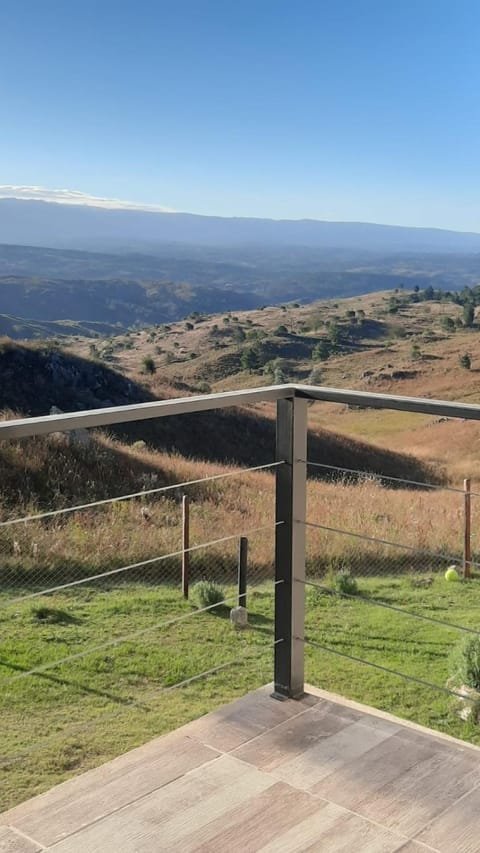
(322, 774)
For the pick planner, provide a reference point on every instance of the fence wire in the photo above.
(403, 675)
(93, 619)
(70, 730)
(139, 534)
(354, 474)
(383, 554)
(370, 530)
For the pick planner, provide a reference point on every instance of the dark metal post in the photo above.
(291, 490)
(242, 571)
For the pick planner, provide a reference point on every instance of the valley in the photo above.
(389, 341)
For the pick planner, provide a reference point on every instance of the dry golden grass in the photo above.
(423, 519)
(104, 538)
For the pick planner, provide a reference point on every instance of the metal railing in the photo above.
(290, 524)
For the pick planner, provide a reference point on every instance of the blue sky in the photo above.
(360, 110)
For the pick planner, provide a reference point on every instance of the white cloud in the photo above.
(75, 197)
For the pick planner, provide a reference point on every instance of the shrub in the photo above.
(415, 352)
(464, 663)
(207, 594)
(448, 324)
(149, 365)
(465, 361)
(345, 583)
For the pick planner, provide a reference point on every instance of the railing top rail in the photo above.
(420, 405)
(24, 427)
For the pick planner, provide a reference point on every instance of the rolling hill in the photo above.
(35, 378)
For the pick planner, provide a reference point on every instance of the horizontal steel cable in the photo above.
(412, 548)
(143, 493)
(150, 561)
(372, 474)
(377, 603)
(386, 669)
(125, 638)
(129, 705)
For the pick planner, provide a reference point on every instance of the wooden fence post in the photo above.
(467, 541)
(185, 544)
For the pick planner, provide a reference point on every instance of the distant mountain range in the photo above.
(39, 223)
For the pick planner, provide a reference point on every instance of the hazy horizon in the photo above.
(79, 198)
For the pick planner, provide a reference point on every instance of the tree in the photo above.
(249, 359)
(321, 351)
(238, 335)
(281, 331)
(468, 313)
(188, 326)
(465, 361)
(334, 334)
(448, 324)
(429, 292)
(149, 365)
(416, 289)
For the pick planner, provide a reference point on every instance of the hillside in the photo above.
(108, 303)
(25, 329)
(385, 342)
(36, 378)
(132, 288)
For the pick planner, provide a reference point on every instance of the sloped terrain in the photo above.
(33, 379)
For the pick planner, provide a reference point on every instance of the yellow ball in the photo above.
(451, 574)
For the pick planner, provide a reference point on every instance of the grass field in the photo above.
(65, 719)
(115, 695)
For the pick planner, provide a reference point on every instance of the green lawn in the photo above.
(66, 719)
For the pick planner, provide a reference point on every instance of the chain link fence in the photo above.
(385, 605)
(99, 648)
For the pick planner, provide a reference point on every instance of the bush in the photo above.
(415, 352)
(207, 594)
(465, 361)
(464, 663)
(345, 583)
(149, 365)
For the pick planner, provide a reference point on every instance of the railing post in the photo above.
(291, 491)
